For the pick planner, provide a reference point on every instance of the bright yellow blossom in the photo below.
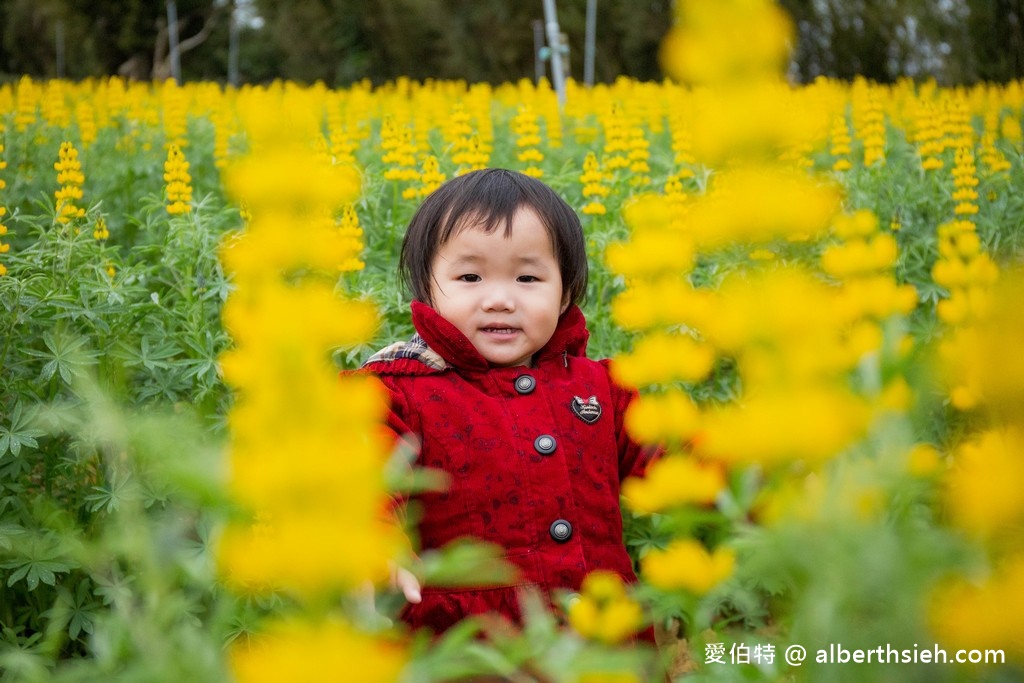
(178, 182)
(982, 614)
(702, 47)
(70, 178)
(687, 565)
(317, 651)
(984, 482)
(673, 481)
(604, 611)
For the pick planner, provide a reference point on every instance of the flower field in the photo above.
(815, 288)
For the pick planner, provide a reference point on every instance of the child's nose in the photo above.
(499, 298)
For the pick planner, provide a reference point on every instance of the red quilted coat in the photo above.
(535, 457)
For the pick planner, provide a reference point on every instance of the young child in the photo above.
(498, 392)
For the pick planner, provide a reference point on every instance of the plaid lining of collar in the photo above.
(413, 349)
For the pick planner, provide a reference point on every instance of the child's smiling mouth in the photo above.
(502, 331)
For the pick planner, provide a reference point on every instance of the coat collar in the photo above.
(570, 338)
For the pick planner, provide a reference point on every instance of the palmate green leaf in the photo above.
(67, 355)
(19, 431)
(119, 488)
(78, 611)
(150, 355)
(9, 531)
(40, 560)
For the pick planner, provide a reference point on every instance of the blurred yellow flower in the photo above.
(289, 180)
(983, 485)
(663, 357)
(727, 41)
(604, 611)
(760, 204)
(669, 417)
(924, 460)
(687, 565)
(673, 481)
(983, 614)
(317, 651)
(812, 423)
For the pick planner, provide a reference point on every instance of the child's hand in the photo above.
(405, 581)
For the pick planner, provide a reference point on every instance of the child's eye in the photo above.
(528, 278)
(469, 277)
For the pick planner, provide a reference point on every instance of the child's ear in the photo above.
(565, 305)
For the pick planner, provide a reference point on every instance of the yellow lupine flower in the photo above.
(687, 565)
(668, 417)
(663, 357)
(761, 204)
(701, 48)
(330, 650)
(982, 614)
(283, 180)
(984, 482)
(604, 611)
(100, 231)
(813, 424)
(673, 481)
(178, 182)
(70, 178)
(923, 460)
(594, 187)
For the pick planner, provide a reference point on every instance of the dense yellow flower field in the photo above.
(814, 287)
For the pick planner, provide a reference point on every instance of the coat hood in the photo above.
(438, 344)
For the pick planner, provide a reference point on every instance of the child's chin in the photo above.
(506, 362)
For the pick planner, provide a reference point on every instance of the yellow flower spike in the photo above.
(896, 396)
(604, 612)
(100, 231)
(668, 417)
(795, 423)
(983, 487)
(727, 41)
(178, 182)
(687, 565)
(759, 205)
(286, 179)
(71, 179)
(317, 651)
(924, 460)
(674, 481)
(666, 301)
(976, 612)
(662, 357)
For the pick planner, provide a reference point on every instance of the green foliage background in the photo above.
(112, 409)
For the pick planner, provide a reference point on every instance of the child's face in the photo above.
(504, 294)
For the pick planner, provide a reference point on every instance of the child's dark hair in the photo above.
(484, 199)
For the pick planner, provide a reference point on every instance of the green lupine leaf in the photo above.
(19, 432)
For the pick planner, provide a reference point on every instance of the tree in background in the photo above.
(101, 37)
(997, 33)
(342, 41)
(881, 40)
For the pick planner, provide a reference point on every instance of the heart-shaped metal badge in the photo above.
(586, 409)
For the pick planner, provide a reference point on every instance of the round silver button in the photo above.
(525, 384)
(545, 444)
(560, 530)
